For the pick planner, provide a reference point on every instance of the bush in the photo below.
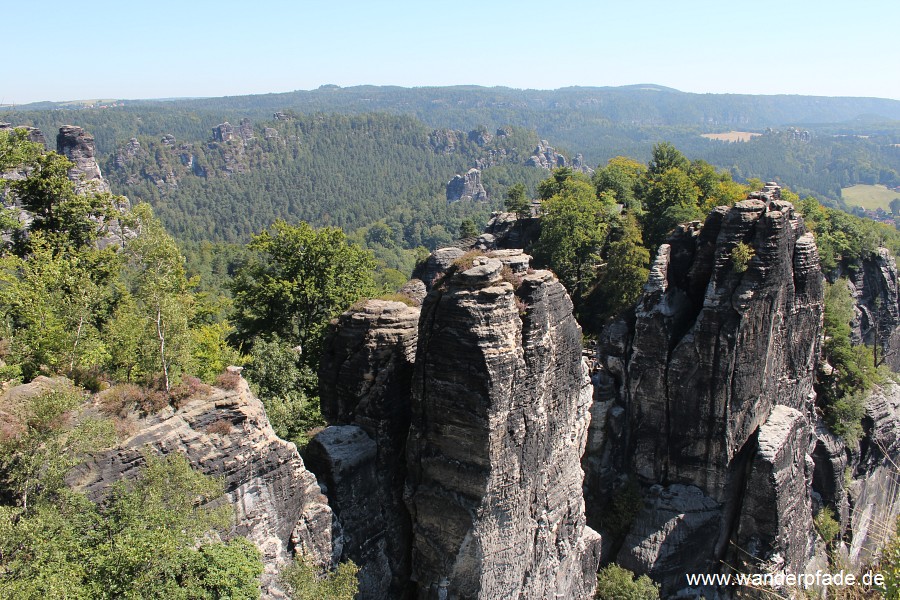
(617, 583)
(306, 582)
(740, 257)
(826, 525)
(228, 380)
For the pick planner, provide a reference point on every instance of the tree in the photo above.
(573, 230)
(149, 539)
(666, 156)
(517, 201)
(895, 206)
(671, 198)
(626, 268)
(467, 229)
(621, 176)
(150, 328)
(300, 278)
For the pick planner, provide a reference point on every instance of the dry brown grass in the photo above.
(228, 380)
(220, 427)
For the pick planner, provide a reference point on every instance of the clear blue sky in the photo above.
(166, 48)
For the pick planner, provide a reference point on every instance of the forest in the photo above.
(241, 251)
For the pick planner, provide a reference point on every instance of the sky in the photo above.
(133, 49)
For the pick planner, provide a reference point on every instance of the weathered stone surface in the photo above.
(224, 132)
(877, 311)
(500, 413)
(691, 380)
(364, 386)
(776, 527)
(437, 263)
(78, 146)
(546, 157)
(709, 360)
(875, 489)
(466, 187)
(278, 503)
(510, 232)
(415, 290)
(672, 534)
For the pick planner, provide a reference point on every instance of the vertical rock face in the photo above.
(695, 380)
(226, 434)
(500, 410)
(466, 187)
(78, 146)
(875, 489)
(777, 511)
(877, 319)
(364, 384)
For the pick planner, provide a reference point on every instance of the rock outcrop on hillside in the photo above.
(709, 393)
(225, 433)
(364, 383)
(877, 313)
(484, 431)
(500, 406)
(466, 187)
(78, 146)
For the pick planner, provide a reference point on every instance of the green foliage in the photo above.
(306, 582)
(467, 229)
(147, 540)
(841, 391)
(150, 327)
(286, 387)
(740, 257)
(42, 438)
(890, 564)
(300, 279)
(621, 177)
(210, 352)
(517, 201)
(626, 269)
(615, 582)
(574, 226)
(826, 525)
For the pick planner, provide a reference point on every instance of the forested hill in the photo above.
(850, 140)
(349, 171)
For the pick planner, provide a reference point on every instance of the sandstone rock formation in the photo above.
(500, 404)
(466, 187)
(708, 392)
(877, 312)
(223, 132)
(78, 146)
(225, 433)
(364, 382)
(546, 157)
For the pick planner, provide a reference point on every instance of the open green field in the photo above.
(869, 196)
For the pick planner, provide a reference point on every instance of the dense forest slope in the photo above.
(848, 141)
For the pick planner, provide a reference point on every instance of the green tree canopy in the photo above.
(299, 279)
(573, 231)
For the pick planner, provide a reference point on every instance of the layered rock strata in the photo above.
(225, 433)
(467, 186)
(708, 392)
(500, 410)
(364, 384)
(78, 146)
(877, 312)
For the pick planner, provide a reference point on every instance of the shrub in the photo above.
(740, 257)
(398, 297)
(228, 380)
(467, 260)
(187, 389)
(507, 275)
(826, 525)
(220, 427)
(615, 582)
(306, 582)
